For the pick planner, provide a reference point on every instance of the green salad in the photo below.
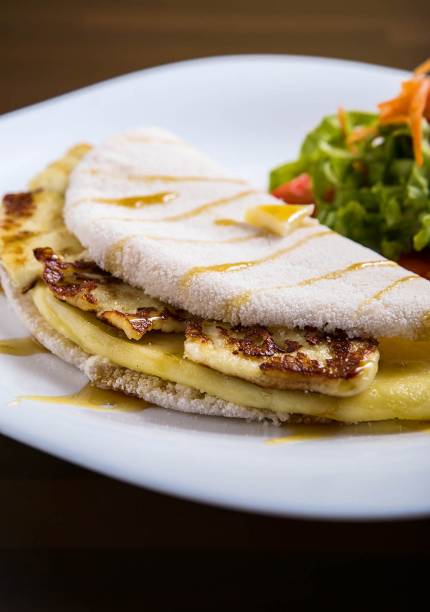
(371, 188)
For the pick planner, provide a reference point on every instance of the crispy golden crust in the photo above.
(71, 279)
(136, 325)
(257, 341)
(18, 204)
(194, 330)
(345, 363)
(281, 355)
(28, 220)
(16, 208)
(84, 285)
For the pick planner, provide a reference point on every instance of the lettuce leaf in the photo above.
(373, 193)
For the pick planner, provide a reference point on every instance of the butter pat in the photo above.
(280, 219)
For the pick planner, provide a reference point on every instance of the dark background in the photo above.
(52, 46)
(73, 540)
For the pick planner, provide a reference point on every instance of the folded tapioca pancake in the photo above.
(164, 218)
(125, 339)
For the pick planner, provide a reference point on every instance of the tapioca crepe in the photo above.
(163, 217)
(171, 279)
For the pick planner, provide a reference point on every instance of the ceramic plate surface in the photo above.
(250, 113)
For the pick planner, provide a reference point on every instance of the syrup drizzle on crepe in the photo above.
(115, 251)
(140, 200)
(194, 212)
(185, 179)
(192, 241)
(228, 222)
(167, 178)
(361, 265)
(242, 265)
(92, 397)
(239, 300)
(234, 304)
(380, 294)
(21, 347)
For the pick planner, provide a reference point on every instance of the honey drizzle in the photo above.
(185, 179)
(379, 294)
(243, 265)
(228, 222)
(168, 178)
(242, 298)
(234, 304)
(361, 265)
(191, 241)
(304, 433)
(195, 212)
(209, 206)
(21, 347)
(110, 259)
(140, 200)
(92, 397)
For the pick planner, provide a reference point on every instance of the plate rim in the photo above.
(196, 60)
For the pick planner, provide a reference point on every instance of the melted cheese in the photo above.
(399, 391)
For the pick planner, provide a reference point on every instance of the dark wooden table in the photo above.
(73, 540)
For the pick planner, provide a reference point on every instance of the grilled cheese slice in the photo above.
(84, 285)
(35, 218)
(276, 358)
(280, 358)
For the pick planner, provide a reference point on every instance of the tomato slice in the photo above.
(296, 191)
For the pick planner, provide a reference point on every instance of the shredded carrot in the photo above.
(410, 107)
(341, 115)
(427, 109)
(423, 68)
(401, 104)
(416, 112)
(388, 119)
(360, 133)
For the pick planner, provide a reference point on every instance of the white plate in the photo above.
(251, 113)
